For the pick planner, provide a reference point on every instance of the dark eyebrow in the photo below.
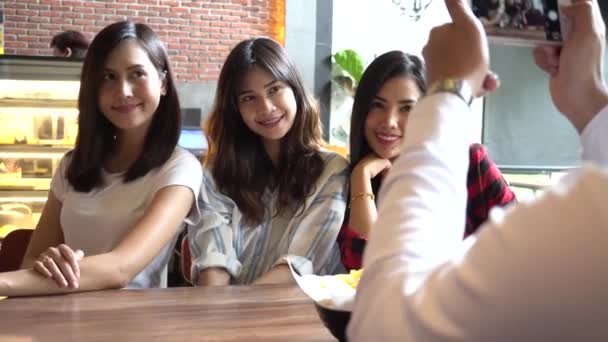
(404, 101)
(270, 83)
(379, 98)
(135, 66)
(131, 67)
(265, 86)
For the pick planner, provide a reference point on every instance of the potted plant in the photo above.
(347, 71)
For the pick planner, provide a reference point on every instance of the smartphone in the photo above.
(522, 22)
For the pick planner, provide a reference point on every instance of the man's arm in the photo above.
(421, 211)
(532, 274)
(593, 139)
(529, 273)
(421, 284)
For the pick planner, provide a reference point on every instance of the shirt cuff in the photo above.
(219, 260)
(440, 117)
(593, 139)
(300, 264)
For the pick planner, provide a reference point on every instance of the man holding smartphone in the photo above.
(536, 272)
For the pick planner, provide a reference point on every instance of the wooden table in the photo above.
(231, 313)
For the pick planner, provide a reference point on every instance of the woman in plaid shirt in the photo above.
(388, 90)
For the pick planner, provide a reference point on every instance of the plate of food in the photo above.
(334, 297)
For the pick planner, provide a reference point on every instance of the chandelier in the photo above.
(412, 8)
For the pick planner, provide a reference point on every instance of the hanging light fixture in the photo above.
(412, 8)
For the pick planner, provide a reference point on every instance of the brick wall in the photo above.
(199, 34)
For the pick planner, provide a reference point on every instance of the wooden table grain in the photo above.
(230, 313)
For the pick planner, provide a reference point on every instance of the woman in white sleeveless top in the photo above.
(119, 199)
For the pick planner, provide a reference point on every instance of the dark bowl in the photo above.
(335, 320)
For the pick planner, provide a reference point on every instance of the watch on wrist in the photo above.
(461, 88)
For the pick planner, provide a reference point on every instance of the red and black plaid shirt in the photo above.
(486, 189)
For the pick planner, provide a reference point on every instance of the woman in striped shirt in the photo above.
(270, 192)
(388, 90)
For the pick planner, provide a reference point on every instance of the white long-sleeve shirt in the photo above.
(537, 272)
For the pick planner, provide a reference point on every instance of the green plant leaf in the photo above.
(351, 62)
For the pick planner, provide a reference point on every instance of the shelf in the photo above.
(39, 68)
(33, 151)
(25, 184)
(38, 100)
(38, 103)
(23, 196)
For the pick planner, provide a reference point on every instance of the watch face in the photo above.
(450, 84)
(454, 86)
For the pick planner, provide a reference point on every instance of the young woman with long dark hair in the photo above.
(120, 197)
(270, 190)
(389, 88)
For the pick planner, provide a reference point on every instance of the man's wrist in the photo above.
(458, 87)
(596, 102)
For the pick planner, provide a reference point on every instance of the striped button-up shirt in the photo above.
(308, 239)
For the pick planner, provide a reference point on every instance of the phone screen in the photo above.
(521, 22)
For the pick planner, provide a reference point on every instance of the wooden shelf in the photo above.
(38, 103)
(23, 195)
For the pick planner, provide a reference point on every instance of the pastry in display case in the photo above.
(38, 125)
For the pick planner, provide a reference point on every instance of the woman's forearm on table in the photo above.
(96, 273)
(280, 274)
(214, 276)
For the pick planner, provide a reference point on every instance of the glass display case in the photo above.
(38, 125)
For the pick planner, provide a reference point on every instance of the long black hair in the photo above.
(385, 67)
(239, 163)
(96, 134)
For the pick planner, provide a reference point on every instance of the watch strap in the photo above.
(461, 88)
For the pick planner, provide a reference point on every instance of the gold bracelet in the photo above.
(361, 195)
